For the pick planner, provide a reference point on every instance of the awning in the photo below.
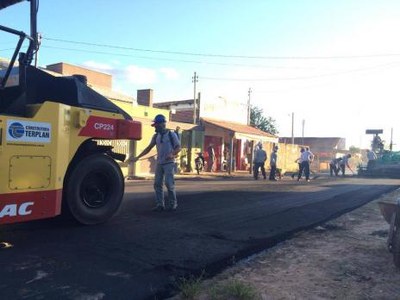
(242, 131)
(241, 136)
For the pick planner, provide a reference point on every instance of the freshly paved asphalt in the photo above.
(141, 254)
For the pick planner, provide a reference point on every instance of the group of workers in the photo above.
(339, 164)
(260, 157)
(304, 161)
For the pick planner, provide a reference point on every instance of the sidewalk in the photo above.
(217, 175)
(203, 175)
(346, 258)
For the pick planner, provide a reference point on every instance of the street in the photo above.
(141, 254)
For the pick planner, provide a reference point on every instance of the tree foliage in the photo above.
(258, 120)
(354, 150)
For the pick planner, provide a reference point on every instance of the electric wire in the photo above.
(301, 77)
(225, 55)
(178, 60)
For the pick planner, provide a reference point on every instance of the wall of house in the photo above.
(287, 155)
(182, 115)
(180, 112)
(223, 109)
(96, 78)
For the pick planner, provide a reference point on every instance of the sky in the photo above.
(332, 65)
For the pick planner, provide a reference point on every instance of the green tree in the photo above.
(258, 120)
(354, 150)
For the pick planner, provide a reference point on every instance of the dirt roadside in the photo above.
(346, 258)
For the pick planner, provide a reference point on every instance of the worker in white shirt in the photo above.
(306, 158)
(345, 163)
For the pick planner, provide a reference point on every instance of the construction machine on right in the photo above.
(386, 163)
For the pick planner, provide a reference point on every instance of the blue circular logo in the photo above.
(16, 130)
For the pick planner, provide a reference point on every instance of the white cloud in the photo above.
(132, 73)
(116, 62)
(169, 73)
(138, 75)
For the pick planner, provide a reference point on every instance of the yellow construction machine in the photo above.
(50, 161)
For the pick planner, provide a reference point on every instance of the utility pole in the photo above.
(391, 139)
(39, 41)
(302, 131)
(292, 128)
(248, 106)
(195, 79)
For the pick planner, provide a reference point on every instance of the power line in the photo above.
(226, 56)
(300, 77)
(226, 64)
(179, 60)
(8, 49)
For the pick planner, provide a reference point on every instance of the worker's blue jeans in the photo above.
(165, 171)
(304, 167)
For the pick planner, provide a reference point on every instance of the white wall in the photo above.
(223, 109)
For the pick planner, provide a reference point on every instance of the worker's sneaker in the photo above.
(172, 207)
(158, 208)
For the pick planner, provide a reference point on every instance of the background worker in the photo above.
(298, 161)
(273, 162)
(168, 146)
(306, 159)
(371, 155)
(260, 156)
(334, 166)
(345, 163)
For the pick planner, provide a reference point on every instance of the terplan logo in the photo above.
(31, 132)
(16, 130)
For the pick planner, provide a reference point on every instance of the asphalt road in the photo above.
(141, 254)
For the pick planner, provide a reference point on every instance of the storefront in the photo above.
(228, 138)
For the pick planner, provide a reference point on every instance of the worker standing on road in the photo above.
(306, 159)
(168, 146)
(273, 162)
(345, 163)
(260, 156)
(298, 161)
